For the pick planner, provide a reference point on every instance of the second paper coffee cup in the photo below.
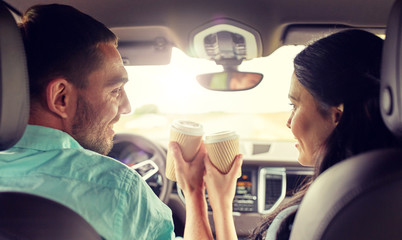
(222, 148)
(188, 135)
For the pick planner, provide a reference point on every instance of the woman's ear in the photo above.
(58, 96)
(337, 114)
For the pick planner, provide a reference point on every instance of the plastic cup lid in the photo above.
(187, 127)
(220, 136)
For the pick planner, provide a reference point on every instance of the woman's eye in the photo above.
(292, 106)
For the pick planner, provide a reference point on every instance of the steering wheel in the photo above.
(147, 158)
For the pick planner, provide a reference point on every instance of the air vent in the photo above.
(296, 178)
(261, 148)
(271, 188)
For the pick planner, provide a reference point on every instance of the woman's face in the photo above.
(308, 125)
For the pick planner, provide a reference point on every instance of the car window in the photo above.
(160, 94)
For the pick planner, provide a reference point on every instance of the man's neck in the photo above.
(46, 119)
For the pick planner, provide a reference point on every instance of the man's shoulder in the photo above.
(72, 165)
(98, 167)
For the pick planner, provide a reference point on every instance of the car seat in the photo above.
(361, 197)
(14, 102)
(25, 216)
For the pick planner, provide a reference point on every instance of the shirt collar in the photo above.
(45, 139)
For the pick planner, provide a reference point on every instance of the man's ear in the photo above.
(58, 96)
(337, 113)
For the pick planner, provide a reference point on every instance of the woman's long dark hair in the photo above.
(343, 68)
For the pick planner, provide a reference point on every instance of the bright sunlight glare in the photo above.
(161, 94)
(173, 88)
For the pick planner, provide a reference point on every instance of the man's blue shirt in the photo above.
(110, 196)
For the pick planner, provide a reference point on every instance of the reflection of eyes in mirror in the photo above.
(241, 81)
(229, 81)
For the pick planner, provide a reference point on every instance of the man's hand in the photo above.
(190, 174)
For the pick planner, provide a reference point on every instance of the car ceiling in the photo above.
(277, 21)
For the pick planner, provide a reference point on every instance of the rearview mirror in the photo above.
(229, 81)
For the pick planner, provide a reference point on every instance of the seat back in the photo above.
(26, 216)
(360, 198)
(391, 74)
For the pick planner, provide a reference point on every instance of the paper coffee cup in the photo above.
(222, 148)
(188, 135)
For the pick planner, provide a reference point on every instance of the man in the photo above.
(77, 93)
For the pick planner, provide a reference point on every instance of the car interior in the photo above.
(356, 199)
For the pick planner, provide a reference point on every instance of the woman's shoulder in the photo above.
(282, 224)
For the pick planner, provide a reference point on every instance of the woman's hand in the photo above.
(221, 188)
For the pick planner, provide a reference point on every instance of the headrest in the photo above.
(391, 72)
(14, 93)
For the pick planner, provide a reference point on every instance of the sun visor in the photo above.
(157, 52)
(144, 45)
(305, 34)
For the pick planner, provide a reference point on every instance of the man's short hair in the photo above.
(61, 41)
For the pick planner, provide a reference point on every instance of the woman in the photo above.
(335, 97)
(341, 73)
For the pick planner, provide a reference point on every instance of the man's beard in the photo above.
(88, 129)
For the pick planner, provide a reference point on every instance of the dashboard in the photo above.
(270, 174)
(261, 190)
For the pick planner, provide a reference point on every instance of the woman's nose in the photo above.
(289, 122)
